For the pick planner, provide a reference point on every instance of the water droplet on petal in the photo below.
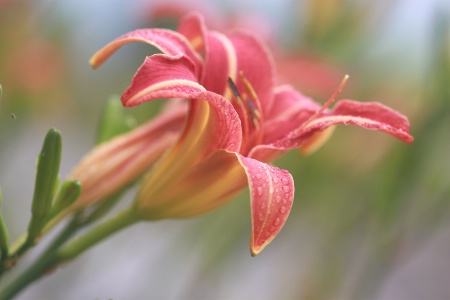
(285, 180)
(261, 217)
(283, 210)
(263, 205)
(285, 188)
(258, 176)
(259, 190)
(275, 179)
(277, 222)
(278, 199)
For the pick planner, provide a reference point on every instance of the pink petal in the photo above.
(228, 55)
(391, 121)
(114, 164)
(255, 61)
(170, 42)
(223, 130)
(158, 74)
(215, 181)
(369, 115)
(220, 63)
(272, 195)
(289, 110)
(212, 124)
(192, 26)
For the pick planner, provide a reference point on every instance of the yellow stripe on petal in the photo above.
(232, 61)
(187, 152)
(179, 84)
(346, 120)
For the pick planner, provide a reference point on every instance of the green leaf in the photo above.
(46, 180)
(113, 121)
(4, 236)
(69, 192)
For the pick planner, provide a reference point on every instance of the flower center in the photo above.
(249, 109)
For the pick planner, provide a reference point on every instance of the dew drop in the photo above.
(258, 176)
(275, 179)
(285, 180)
(259, 191)
(261, 217)
(263, 205)
(278, 199)
(285, 188)
(283, 210)
(277, 222)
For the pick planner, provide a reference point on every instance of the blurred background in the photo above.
(371, 218)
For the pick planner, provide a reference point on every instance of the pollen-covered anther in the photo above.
(247, 106)
(255, 115)
(236, 94)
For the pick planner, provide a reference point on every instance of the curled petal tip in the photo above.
(255, 250)
(93, 62)
(272, 195)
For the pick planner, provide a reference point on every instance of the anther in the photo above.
(247, 106)
(234, 89)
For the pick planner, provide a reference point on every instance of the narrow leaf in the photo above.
(69, 192)
(4, 236)
(46, 179)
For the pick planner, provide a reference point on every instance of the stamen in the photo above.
(234, 89)
(236, 94)
(256, 110)
(247, 106)
(253, 117)
(327, 104)
(247, 84)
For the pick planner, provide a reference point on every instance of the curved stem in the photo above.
(56, 253)
(44, 263)
(102, 231)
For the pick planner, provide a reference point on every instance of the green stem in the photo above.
(44, 263)
(102, 231)
(4, 249)
(56, 253)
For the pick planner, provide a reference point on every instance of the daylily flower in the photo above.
(238, 122)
